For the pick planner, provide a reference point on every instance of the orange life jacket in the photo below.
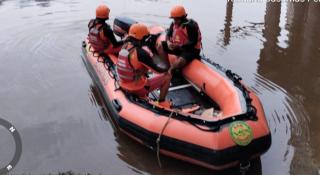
(180, 34)
(131, 73)
(96, 37)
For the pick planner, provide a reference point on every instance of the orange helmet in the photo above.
(178, 12)
(102, 12)
(138, 31)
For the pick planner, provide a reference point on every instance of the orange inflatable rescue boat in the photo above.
(216, 121)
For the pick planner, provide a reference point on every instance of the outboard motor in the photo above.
(121, 25)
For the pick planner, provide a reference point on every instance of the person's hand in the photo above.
(172, 46)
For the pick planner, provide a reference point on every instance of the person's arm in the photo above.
(110, 35)
(146, 59)
(192, 30)
(170, 31)
(150, 42)
(90, 24)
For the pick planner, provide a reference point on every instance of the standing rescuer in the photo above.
(100, 35)
(183, 38)
(134, 61)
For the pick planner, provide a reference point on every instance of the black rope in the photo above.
(107, 64)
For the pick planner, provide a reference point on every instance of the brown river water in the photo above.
(48, 95)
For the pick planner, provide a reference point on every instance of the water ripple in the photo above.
(286, 117)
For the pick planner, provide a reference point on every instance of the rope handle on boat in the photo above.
(218, 66)
(111, 72)
(107, 65)
(94, 53)
(212, 128)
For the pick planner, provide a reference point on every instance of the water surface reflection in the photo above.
(295, 68)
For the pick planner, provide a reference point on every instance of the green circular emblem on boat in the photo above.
(241, 133)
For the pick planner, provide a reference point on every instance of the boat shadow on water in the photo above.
(141, 159)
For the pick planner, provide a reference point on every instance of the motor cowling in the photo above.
(121, 25)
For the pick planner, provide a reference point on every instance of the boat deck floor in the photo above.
(184, 95)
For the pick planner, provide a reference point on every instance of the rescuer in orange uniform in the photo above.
(183, 38)
(100, 35)
(135, 60)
